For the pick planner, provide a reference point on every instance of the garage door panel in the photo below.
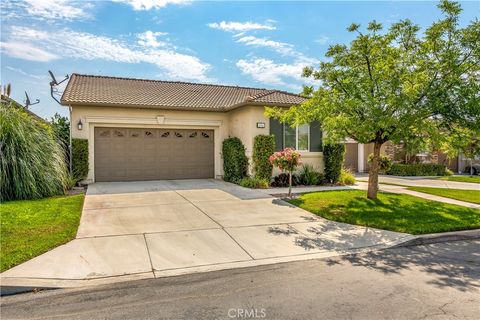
(123, 154)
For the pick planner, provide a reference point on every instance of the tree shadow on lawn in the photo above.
(396, 212)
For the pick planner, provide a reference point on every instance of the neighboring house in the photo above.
(356, 156)
(149, 130)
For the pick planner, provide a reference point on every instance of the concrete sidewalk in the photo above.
(404, 190)
(432, 182)
(164, 228)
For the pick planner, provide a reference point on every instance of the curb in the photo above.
(441, 237)
(11, 290)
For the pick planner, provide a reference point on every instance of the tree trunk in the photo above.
(471, 166)
(373, 173)
(290, 184)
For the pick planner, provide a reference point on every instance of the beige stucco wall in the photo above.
(240, 122)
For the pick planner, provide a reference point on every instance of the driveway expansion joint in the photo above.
(148, 252)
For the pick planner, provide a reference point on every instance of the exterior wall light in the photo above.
(260, 124)
(80, 125)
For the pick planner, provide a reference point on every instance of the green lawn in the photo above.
(463, 195)
(32, 227)
(471, 179)
(396, 212)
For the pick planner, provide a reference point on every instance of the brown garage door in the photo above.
(129, 154)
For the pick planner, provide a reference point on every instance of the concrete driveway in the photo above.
(160, 228)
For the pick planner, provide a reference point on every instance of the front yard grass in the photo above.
(395, 212)
(472, 196)
(32, 227)
(470, 179)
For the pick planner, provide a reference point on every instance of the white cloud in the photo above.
(26, 51)
(51, 10)
(149, 39)
(280, 47)
(267, 71)
(86, 46)
(34, 76)
(241, 26)
(152, 4)
(322, 40)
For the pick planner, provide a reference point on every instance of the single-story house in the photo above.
(148, 129)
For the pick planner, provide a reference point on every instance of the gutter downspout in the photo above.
(70, 143)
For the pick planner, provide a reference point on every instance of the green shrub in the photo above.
(61, 128)
(235, 162)
(32, 163)
(308, 176)
(418, 169)
(254, 183)
(385, 162)
(346, 178)
(281, 181)
(71, 182)
(333, 156)
(79, 159)
(321, 179)
(263, 148)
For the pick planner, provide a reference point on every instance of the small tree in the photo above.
(286, 160)
(263, 147)
(385, 85)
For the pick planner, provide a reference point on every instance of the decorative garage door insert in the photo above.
(126, 154)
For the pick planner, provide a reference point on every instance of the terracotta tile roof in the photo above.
(111, 91)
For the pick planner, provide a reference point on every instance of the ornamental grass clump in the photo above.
(32, 163)
(286, 160)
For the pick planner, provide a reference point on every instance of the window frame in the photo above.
(296, 137)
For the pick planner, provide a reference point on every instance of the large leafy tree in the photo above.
(387, 84)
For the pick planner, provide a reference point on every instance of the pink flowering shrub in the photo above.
(286, 160)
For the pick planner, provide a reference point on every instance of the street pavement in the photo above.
(436, 281)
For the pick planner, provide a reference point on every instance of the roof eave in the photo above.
(264, 104)
(157, 107)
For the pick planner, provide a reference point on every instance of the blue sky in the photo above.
(261, 44)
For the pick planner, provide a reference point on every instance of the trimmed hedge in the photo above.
(235, 162)
(418, 169)
(79, 159)
(333, 154)
(263, 147)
